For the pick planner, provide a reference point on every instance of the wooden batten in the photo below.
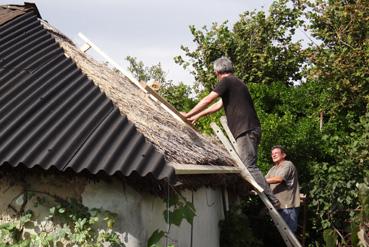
(144, 87)
(166, 105)
(182, 169)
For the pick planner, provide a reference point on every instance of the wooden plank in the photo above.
(85, 47)
(111, 61)
(182, 169)
(145, 88)
(167, 104)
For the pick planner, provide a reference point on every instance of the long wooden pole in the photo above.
(146, 89)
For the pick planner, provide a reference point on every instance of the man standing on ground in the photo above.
(283, 181)
(241, 117)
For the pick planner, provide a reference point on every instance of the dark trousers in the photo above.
(290, 216)
(247, 144)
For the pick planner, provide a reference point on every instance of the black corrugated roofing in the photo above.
(53, 115)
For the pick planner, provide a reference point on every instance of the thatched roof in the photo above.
(176, 140)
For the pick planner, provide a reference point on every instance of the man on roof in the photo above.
(234, 96)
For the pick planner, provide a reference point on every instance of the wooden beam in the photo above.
(171, 108)
(321, 115)
(182, 169)
(85, 47)
(111, 61)
(145, 88)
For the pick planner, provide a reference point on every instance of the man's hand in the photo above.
(201, 108)
(193, 119)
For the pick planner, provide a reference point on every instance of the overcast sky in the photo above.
(151, 30)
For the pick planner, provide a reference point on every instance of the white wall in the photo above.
(139, 214)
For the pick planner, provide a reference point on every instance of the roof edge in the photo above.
(27, 7)
(32, 7)
(186, 169)
(12, 11)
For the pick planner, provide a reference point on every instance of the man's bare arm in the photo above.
(213, 108)
(207, 100)
(274, 180)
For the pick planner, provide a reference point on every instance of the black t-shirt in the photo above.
(238, 105)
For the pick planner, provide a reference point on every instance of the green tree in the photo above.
(178, 94)
(290, 87)
(145, 73)
(261, 47)
(339, 65)
(340, 61)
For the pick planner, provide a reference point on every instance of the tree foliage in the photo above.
(340, 61)
(260, 46)
(68, 223)
(179, 95)
(292, 85)
(339, 64)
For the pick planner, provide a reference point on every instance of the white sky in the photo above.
(152, 31)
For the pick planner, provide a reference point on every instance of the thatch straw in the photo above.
(177, 141)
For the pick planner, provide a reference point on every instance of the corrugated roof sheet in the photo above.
(53, 115)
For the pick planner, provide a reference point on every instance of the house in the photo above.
(72, 127)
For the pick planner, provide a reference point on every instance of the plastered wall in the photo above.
(139, 214)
